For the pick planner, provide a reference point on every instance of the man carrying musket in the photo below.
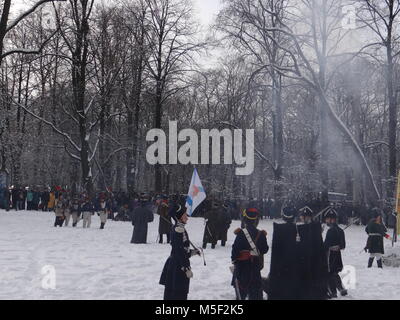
(334, 242)
(248, 257)
(376, 231)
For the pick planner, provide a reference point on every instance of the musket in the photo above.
(194, 247)
(321, 212)
(358, 219)
(236, 282)
(199, 250)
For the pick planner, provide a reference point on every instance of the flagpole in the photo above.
(396, 227)
(192, 203)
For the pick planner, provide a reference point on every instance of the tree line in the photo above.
(82, 82)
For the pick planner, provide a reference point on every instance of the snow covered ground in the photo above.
(102, 264)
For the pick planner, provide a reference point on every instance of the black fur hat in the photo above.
(306, 212)
(331, 213)
(288, 212)
(178, 212)
(376, 213)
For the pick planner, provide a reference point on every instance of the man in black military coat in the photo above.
(248, 252)
(141, 216)
(224, 222)
(212, 226)
(177, 272)
(282, 276)
(376, 231)
(334, 242)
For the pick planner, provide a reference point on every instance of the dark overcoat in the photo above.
(165, 220)
(376, 232)
(211, 228)
(141, 216)
(334, 242)
(173, 276)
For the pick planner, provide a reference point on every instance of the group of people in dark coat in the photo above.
(303, 265)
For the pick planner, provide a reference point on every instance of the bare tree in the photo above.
(381, 17)
(171, 34)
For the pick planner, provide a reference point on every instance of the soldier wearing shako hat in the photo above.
(177, 272)
(306, 215)
(289, 214)
(376, 231)
(334, 243)
(248, 252)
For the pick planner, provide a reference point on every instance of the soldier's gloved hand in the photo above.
(188, 272)
(194, 252)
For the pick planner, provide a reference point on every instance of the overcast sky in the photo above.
(207, 9)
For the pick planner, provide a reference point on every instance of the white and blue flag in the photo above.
(196, 193)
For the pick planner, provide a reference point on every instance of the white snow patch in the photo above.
(103, 264)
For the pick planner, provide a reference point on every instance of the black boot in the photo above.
(161, 238)
(223, 243)
(379, 263)
(343, 292)
(204, 245)
(213, 246)
(102, 225)
(370, 262)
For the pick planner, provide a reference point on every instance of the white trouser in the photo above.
(378, 256)
(103, 217)
(75, 218)
(87, 219)
(67, 215)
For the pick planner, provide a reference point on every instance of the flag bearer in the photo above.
(177, 272)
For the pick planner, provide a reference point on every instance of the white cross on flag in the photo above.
(196, 193)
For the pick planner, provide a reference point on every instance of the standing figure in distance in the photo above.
(75, 210)
(87, 210)
(211, 228)
(59, 211)
(165, 223)
(224, 222)
(102, 211)
(141, 216)
(67, 212)
(376, 232)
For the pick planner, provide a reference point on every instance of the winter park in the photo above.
(204, 150)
